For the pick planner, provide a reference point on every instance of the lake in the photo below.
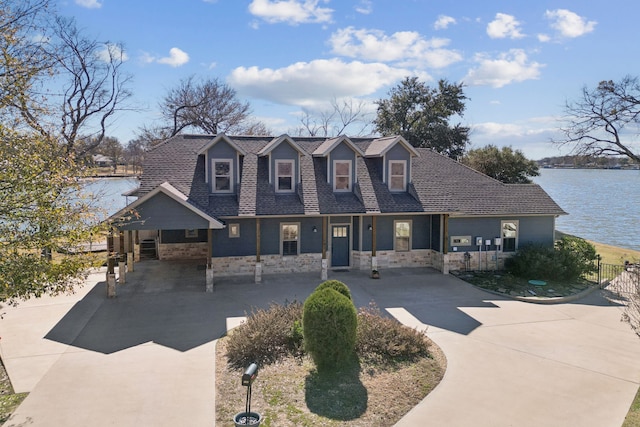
(603, 205)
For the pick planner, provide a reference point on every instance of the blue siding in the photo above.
(179, 236)
(421, 235)
(531, 230)
(222, 150)
(342, 152)
(162, 212)
(355, 233)
(398, 152)
(285, 151)
(245, 245)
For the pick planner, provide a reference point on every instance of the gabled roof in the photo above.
(275, 142)
(439, 184)
(380, 146)
(327, 146)
(173, 193)
(218, 138)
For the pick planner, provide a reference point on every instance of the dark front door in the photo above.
(339, 246)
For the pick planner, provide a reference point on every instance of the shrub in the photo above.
(329, 322)
(267, 336)
(336, 285)
(382, 339)
(571, 258)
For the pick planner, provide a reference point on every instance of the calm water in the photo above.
(603, 205)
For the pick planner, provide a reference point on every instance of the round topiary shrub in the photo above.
(329, 322)
(336, 285)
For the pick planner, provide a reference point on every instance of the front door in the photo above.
(339, 246)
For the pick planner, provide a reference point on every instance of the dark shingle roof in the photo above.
(439, 184)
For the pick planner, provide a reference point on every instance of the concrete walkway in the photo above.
(147, 356)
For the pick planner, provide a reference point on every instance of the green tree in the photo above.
(604, 121)
(422, 115)
(505, 165)
(41, 206)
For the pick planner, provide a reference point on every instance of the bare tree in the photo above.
(94, 87)
(604, 120)
(209, 106)
(347, 114)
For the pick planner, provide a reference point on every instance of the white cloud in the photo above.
(544, 38)
(509, 67)
(365, 7)
(113, 51)
(405, 47)
(569, 24)
(309, 84)
(176, 58)
(443, 22)
(89, 4)
(292, 12)
(504, 26)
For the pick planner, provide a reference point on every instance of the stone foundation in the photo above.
(478, 261)
(270, 264)
(185, 251)
(393, 259)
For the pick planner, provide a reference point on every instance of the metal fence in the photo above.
(621, 279)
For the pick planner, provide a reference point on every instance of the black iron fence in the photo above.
(622, 279)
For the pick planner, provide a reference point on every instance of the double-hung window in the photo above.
(285, 176)
(289, 238)
(509, 235)
(397, 175)
(222, 175)
(342, 175)
(402, 235)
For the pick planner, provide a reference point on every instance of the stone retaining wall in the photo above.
(182, 251)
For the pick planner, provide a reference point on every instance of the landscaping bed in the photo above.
(503, 283)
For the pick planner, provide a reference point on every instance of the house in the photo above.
(251, 205)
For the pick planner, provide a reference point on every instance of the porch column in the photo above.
(324, 264)
(209, 273)
(130, 257)
(258, 272)
(122, 267)
(445, 244)
(111, 275)
(374, 259)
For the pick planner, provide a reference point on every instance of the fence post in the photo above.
(599, 258)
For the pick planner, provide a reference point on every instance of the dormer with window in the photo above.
(341, 155)
(284, 164)
(395, 155)
(222, 165)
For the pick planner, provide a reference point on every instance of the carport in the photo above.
(164, 211)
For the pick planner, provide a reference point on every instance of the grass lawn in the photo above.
(9, 400)
(633, 417)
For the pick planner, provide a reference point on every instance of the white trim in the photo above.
(282, 225)
(404, 175)
(292, 176)
(517, 223)
(231, 176)
(335, 189)
(395, 237)
(175, 194)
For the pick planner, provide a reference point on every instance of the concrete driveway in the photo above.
(147, 356)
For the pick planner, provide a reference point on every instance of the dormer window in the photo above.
(222, 175)
(342, 175)
(284, 176)
(397, 175)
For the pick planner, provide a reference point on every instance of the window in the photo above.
(340, 231)
(402, 240)
(222, 175)
(509, 236)
(342, 175)
(397, 175)
(284, 176)
(289, 237)
(234, 230)
(190, 234)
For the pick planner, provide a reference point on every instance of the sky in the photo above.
(519, 61)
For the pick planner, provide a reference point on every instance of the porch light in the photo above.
(369, 227)
(315, 229)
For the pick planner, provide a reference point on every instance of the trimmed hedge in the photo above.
(336, 285)
(329, 322)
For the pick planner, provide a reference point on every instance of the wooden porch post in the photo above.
(324, 263)
(258, 272)
(374, 230)
(209, 272)
(122, 267)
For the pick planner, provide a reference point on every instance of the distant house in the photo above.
(253, 205)
(101, 160)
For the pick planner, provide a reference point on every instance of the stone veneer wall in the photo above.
(393, 259)
(182, 251)
(271, 264)
(485, 260)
